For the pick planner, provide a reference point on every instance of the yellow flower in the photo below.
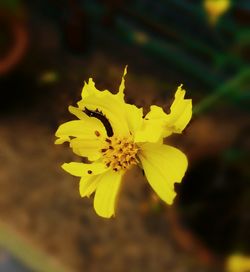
(238, 263)
(114, 136)
(215, 9)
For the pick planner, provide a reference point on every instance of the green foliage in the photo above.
(10, 5)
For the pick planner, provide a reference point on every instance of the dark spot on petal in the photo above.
(89, 172)
(104, 150)
(97, 133)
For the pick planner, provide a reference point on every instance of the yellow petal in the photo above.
(215, 9)
(133, 114)
(120, 93)
(85, 129)
(157, 124)
(181, 112)
(108, 105)
(77, 112)
(152, 127)
(106, 193)
(88, 185)
(90, 148)
(163, 165)
(89, 89)
(80, 169)
(238, 263)
(134, 118)
(89, 133)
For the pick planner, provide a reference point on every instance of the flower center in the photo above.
(119, 153)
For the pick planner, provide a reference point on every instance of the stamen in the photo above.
(120, 153)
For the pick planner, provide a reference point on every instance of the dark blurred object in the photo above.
(212, 211)
(111, 10)
(75, 27)
(13, 35)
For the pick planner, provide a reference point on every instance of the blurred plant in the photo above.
(114, 136)
(215, 9)
(175, 31)
(238, 263)
(10, 5)
(49, 77)
(235, 88)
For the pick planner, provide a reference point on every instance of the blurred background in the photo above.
(47, 50)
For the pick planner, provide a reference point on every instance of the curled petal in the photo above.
(77, 112)
(85, 129)
(163, 124)
(181, 112)
(80, 169)
(163, 165)
(85, 136)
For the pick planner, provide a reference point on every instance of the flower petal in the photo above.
(80, 169)
(89, 133)
(85, 129)
(163, 165)
(111, 107)
(77, 112)
(181, 112)
(152, 127)
(158, 124)
(90, 148)
(120, 93)
(88, 185)
(106, 193)
(89, 89)
(134, 117)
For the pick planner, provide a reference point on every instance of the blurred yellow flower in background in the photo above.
(238, 263)
(114, 136)
(215, 9)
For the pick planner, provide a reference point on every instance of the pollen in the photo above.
(120, 153)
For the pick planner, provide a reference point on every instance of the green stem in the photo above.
(230, 87)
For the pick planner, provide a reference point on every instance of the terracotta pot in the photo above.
(18, 42)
